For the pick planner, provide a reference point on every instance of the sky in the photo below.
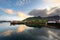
(19, 9)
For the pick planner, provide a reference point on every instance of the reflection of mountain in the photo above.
(32, 34)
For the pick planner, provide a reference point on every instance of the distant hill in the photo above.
(55, 17)
(33, 18)
(40, 21)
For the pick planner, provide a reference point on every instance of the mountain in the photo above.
(49, 18)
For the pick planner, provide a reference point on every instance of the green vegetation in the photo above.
(35, 22)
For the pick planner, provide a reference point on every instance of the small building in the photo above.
(51, 21)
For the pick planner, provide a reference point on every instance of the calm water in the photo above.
(23, 32)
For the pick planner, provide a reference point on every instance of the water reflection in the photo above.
(23, 32)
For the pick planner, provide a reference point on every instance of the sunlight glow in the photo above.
(22, 28)
(23, 15)
(7, 33)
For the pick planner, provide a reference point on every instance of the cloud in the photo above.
(51, 10)
(22, 2)
(40, 12)
(45, 12)
(14, 2)
(8, 11)
(52, 3)
(19, 13)
(22, 15)
(56, 11)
